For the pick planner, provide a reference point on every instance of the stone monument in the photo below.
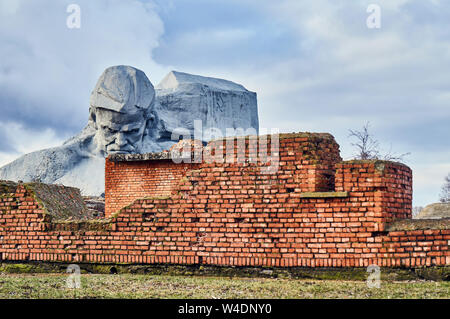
(127, 115)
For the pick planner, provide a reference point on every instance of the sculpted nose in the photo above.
(121, 140)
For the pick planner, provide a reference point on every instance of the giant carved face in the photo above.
(121, 107)
(119, 133)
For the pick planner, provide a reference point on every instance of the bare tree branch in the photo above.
(416, 210)
(445, 191)
(366, 145)
(369, 148)
(391, 156)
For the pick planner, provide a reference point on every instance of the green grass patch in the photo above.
(161, 286)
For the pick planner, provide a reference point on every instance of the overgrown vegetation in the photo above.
(145, 286)
(368, 148)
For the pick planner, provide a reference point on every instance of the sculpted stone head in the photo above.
(121, 108)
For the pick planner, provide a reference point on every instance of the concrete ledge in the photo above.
(76, 226)
(323, 194)
(379, 164)
(418, 224)
(388, 274)
(161, 156)
(140, 157)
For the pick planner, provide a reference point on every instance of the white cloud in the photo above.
(25, 140)
(47, 70)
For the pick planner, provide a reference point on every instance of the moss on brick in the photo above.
(418, 224)
(157, 197)
(83, 225)
(59, 202)
(380, 165)
(151, 198)
(434, 273)
(183, 180)
(17, 268)
(31, 267)
(344, 274)
(323, 194)
(7, 188)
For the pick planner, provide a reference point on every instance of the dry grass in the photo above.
(146, 286)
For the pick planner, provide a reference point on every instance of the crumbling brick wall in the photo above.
(231, 214)
(127, 181)
(306, 164)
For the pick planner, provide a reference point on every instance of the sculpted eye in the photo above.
(108, 129)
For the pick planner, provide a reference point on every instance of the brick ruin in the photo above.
(314, 211)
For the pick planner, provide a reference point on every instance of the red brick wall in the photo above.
(127, 181)
(415, 248)
(307, 160)
(163, 231)
(389, 182)
(230, 214)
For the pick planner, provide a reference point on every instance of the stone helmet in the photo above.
(122, 89)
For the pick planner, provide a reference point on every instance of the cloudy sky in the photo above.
(315, 65)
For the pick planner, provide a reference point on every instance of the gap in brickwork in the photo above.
(148, 217)
(379, 233)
